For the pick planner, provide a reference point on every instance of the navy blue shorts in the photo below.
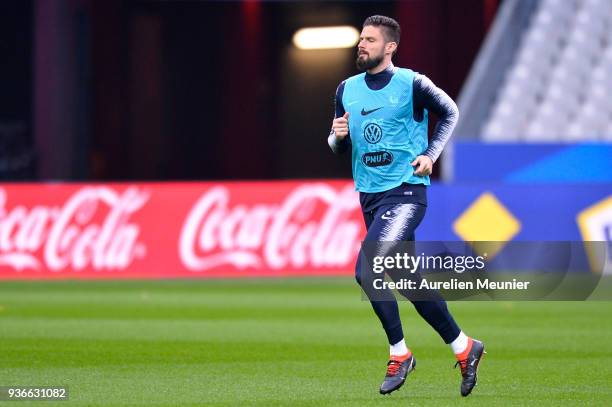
(395, 214)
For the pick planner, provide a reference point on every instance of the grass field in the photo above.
(286, 342)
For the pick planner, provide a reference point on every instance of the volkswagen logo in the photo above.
(372, 133)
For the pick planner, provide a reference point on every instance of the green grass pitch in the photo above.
(269, 342)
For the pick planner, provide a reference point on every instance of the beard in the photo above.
(363, 64)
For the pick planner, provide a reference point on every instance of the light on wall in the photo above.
(343, 36)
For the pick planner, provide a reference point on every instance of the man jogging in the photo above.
(381, 115)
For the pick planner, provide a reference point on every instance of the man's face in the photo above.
(371, 48)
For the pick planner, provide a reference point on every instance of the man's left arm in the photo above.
(426, 95)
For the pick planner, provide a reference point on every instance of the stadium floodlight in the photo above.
(343, 36)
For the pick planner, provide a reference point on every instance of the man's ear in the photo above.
(390, 47)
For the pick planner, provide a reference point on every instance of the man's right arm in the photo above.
(339, 140)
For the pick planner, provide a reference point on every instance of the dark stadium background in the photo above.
(203, 90)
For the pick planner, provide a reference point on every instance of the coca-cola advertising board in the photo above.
(165, 230)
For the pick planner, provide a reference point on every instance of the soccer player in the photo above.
(382, 115)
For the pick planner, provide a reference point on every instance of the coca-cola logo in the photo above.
(91, 229)
(315, 226)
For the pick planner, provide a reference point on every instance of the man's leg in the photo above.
(398, 223)
(384, 305)
(379, 226)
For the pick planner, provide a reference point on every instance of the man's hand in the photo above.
(340, 126)
(422, 165)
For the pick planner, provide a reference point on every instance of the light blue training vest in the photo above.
(384, 134)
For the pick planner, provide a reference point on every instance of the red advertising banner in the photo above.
(165, 230)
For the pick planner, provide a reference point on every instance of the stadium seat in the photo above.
(556, 89)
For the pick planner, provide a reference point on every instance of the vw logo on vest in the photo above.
(372, 133)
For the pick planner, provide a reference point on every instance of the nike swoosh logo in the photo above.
(367, 112)
(473, 361)
(385, 217)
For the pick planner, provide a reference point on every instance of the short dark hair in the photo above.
(391, 28)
